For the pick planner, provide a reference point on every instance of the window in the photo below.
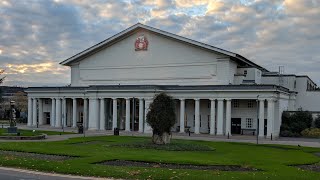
(250, 104)
(46, 101)
(249, 123)
(245, 72)
(236, 103)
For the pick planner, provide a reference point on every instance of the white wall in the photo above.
(166, 61)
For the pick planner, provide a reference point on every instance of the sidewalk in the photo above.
(308, 142)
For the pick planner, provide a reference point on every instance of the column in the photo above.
(141, 115)
(270, 117)
(197, 116)
(64, 112)
(127, 128)
(93, 114)
(212, 116)
(102, 114)
(228, 117)
(34, 112)
(147, 127)
(220, 117)
(30, 111)
(182, 110)
(114, 113)
(58, 112)
(74, 112)
(40, 105)
(261, 118)
(85, 113)
(53, 112)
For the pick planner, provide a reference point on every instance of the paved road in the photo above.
(19, 174)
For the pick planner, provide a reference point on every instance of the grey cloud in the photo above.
(269, 32)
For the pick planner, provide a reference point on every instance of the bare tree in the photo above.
(21, 101)
(2, 78)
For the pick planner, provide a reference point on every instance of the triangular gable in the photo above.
(131, 29)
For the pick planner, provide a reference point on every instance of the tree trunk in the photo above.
(164, 139)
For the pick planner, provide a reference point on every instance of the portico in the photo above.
(102, 108)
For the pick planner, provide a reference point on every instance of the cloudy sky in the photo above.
(36, 35)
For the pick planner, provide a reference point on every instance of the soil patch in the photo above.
(317, 154)
(166, 147)
(89, 142)
(311, 167)
(35, 155)
(177, 166)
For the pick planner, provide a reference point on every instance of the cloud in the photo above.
(37, 35)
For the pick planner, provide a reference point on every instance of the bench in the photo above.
(248, 130)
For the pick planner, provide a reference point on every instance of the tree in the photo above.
(21, 101)
(317, 122)
(294, 123)
(161, 117)
(1, 81)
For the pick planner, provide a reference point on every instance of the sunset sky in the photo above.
(36, 35)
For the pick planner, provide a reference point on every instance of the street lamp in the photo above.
(257, 120)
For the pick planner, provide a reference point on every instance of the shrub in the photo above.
(293, 124)
(317, 122)
(161, 117)
(311, 132)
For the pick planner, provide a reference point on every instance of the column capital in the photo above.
(261, 99)
(228, 99)
(182, 99)
(212, 99)
(127, 98)
(74, 98)
(148, 99)
(271, 100)
(114, 98)
(196, 99)
(93, 98)
(220, 99)
(101, 98)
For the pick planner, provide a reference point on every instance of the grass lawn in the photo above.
(3, 132)
(273, 160)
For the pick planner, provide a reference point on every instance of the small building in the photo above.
(217, 91)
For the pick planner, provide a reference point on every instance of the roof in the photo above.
(128, 31)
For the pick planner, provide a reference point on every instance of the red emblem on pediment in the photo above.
(141, 43)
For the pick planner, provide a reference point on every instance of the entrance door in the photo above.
(265, 127)
(47, 116)
(235, 125)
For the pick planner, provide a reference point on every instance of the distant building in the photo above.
(217, 91)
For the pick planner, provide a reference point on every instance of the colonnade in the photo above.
(94, 114)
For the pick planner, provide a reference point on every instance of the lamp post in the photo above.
(257, 120)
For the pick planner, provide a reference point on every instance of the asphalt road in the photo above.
(18, 174)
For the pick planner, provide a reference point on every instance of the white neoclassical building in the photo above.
(217, 91)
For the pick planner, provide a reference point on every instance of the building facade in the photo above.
(216, 91)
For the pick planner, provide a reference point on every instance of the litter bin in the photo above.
(116, 131)
(80, 129)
